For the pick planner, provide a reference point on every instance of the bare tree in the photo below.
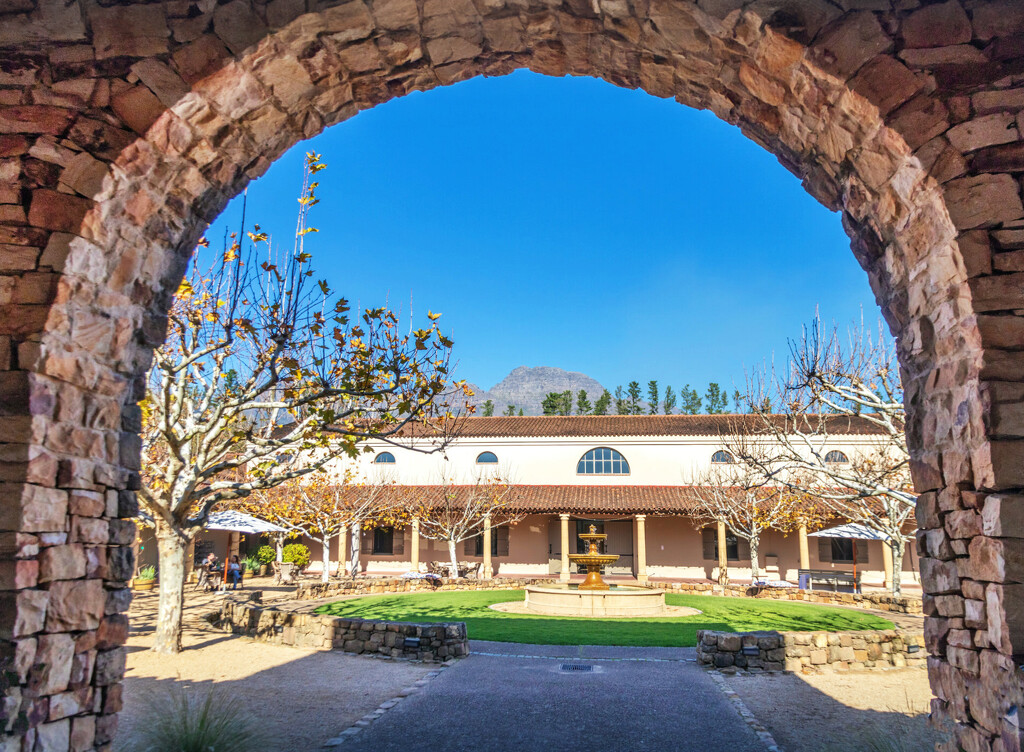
(848, 393)
(740, 493)
(453, 512)
(262, 363)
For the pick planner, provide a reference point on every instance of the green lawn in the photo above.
(727, 614)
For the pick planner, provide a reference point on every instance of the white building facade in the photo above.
(628, 475)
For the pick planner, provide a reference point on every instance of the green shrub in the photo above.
(251, 564)
(266, 554)
(147, 573)
(298, 554)
(198, 720)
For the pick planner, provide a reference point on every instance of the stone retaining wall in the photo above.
(425, 642)
(810, 652)
(370, 586)
(876, 601)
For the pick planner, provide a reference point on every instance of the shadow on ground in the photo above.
(501, 702)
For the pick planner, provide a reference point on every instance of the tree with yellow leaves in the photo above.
(263, 363)
(321, 509)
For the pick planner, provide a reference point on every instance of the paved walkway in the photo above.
(509, 698)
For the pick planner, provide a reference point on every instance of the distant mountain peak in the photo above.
(526, 386)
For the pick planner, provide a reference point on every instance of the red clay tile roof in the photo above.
(577, 499)
(585, 499)
(636, 425)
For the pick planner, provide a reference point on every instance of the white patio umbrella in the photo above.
(239, 522)
(852, 531)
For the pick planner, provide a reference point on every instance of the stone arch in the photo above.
(124, 129)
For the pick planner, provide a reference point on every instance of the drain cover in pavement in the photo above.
(577, 667)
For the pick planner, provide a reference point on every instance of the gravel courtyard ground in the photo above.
(839, 712)
(303, 696)
(516, 692)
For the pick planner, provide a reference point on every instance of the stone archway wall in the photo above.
(125, 128)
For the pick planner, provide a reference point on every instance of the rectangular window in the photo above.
(710, 543)
(479, 551)
(842, 550)
(383, 540)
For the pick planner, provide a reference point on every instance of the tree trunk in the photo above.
(172, 546)
(325, 544)
(455, 561)
(353, 564)
(897, 545)
(755, 568)
(279, 540)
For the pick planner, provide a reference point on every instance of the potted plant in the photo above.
(265, 555)
(251, 565)
(146, 578)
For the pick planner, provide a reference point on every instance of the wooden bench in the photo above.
(828, 577)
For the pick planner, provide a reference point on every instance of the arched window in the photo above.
(487, 458)
(384, 458)
(602, 461)
(835, 457)
(722, 457)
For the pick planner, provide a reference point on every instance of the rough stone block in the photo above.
(62, 563)
(939, 576)
(18, 574)
(987, 130)
(89, 530)
(729, 642)
(75, 605)
(937, 26)
(983, 200)
(975, 614)
(83, 733)
(850, 43)
(53, 736)
(963, 524)
(109, 667)
(22, 612)
(998, 293)
(1002, 515)
(38, 509)
(128, 31)
(51, 670)
(1005, 616)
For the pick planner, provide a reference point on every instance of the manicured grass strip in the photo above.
(726, 614)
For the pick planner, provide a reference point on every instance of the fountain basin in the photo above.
(570, 600)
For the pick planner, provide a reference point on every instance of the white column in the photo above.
(415, 544)
(887, 563)
(641, 548)
(805, 552)
(488, 572)
(723, 555)
(564, 575)
(342, 543)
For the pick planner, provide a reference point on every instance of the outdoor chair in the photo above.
(206, 581)
(285, 573)
(469, 571)
(436, 567)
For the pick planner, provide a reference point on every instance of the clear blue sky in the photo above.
(566, 222)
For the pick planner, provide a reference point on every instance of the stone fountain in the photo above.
(593, 560)
(593, 596)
